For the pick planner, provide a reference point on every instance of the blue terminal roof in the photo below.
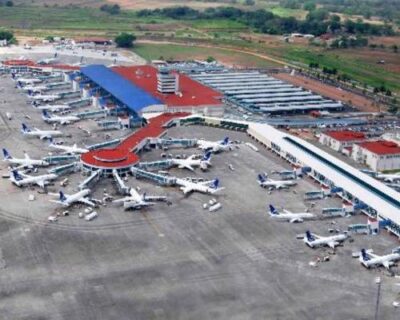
(127, 93)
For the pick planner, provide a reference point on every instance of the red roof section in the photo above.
(122, 155)
(20, 62)
(31, 63)
(381, 147)
(345, 135)
(193, 92)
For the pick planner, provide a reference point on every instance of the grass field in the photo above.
(359, 64)
(36, 21)
(179, 52)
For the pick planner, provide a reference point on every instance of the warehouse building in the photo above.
(381, 155)
(341, 140)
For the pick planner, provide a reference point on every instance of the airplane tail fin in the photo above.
(261, 178)
(364, 255)
(225, 141)
(16, 175)
(45, 115)
(62, 197)
(206, 157)
(272, 210)
(215, 184)
(6, 155)
(25, 128)
(309, 236)
(51, 141)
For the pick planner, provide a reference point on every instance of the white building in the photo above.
(339, 140)
(379, 155)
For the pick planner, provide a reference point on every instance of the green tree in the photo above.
(125, 40)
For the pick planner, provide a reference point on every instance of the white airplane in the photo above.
(53, 108)
(191, 162)
(368, 259)
(68, 149)
(388, 177)
(58, 119)
(34, 89)
(313, 240)
(138, 201)
(27, 81)
(27, 162)
(44, 97)
(21, 179)
(48, 61)
(209, 187)
(265, 182)
(42, 134)
(215, 146)
(289, 216)
(79, 197)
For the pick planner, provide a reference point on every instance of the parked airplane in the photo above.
(368, 259)
(68, 149)
(58, 119)
(27, 162)
(265, 182)
(34, 89)
(209, 187)
(27, 81)
(79, 197)
(138, 201)
(191, 162)
(44, 97)
(22, 179)
(313, 240)
(215, 146)
(388, 177)
(48, 61)
(42, 134)
(289, 216)
(53, 108)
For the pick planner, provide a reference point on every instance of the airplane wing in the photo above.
(293, 220)
(186, 189)
(286, 211)
(155, 198)
(40, 183)
(332, 244)
(135, 195)
(86, 201)
(125, 199)
(186, 166)
(27, 157)
(44, 136)
(386, 264)
(206, 183)
(24, 175)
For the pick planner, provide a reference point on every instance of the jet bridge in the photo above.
(158, 178)
(186, 143)
(69, 94)
(109, 124)
(60, 158)
(155, 165)
(92, 114)
(80, 103)
(57, 85)
(104, 144)
(65, 169)
(94, 177)
(122, 187)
